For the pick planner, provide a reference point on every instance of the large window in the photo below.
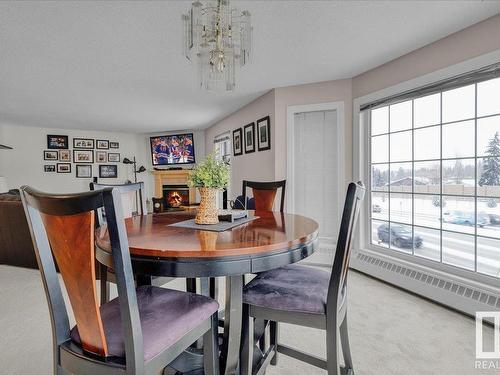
(435, 177)
(222, 147)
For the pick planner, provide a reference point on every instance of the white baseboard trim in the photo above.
(460, 294)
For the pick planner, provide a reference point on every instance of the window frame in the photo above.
(366, 238)
(362, 169)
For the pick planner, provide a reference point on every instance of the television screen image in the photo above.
(173, 149)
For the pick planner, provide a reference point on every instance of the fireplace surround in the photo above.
(174, 178)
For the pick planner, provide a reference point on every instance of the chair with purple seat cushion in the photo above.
(142, 330)
(307, 297)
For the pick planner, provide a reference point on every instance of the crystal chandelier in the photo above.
(219, 39)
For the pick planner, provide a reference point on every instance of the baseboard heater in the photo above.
(450, 290)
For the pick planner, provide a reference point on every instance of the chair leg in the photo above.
(273, 333)
(346, 349)
(332, 350)
(260, 327)
(191, 285)
(247, 343)
(211, 348)
(103, 276)
(214, 288)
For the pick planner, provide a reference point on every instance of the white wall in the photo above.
(24, 164)
(258, 165)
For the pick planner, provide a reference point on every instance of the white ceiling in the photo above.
(118, 65)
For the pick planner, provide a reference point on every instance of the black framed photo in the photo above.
(83, 156)
(51, 155)
(49, 168)
(64, 155)
(63, 168)
(101, 156)
(56, 142)
(114, 145)
(237, 142)
(83, 171)
(113, 157)
(84, 143)
(264, 134)
(249, 136)
(102, 144)
(108, 171)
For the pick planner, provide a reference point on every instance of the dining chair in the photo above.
(128, 194)
(264, 194)
(139, 332)
(304, 296)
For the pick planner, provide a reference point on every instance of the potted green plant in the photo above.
(209, 177)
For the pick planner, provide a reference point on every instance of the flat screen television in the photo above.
(172, 149)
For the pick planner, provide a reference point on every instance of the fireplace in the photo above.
(174, 178)
(175, 196)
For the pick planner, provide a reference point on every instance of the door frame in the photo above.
(290, 135)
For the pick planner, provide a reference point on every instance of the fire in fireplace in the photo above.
(175, 195)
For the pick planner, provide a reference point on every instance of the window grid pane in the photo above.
(436, 178)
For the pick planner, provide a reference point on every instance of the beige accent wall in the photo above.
(476, 40)
(258, 165)
(322, 92)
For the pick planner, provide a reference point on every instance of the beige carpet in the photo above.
(392, 332)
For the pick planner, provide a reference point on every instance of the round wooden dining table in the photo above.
(270, 241)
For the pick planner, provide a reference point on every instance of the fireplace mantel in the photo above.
(172, 177)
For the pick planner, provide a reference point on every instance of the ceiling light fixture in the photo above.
(219, 39)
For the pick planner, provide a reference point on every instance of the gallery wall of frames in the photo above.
(244, 139)
(79, 155)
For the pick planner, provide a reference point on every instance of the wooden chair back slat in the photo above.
(264, 194)
(71, 239)
(264, 199)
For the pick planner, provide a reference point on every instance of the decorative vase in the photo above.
(207, 211)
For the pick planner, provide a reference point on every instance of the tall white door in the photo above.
(315, 185)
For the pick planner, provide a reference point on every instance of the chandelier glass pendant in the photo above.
(218, 39)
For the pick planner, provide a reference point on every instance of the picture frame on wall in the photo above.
(49, 168)
(83, 143)
(102, 144)
(108, 171)
(64, 155)
(114, 145)
(83, 171)
(57, 142)
(264, 134)
(113, 157)
(237, 142)
(50, 155)
(101, 156)
(83, 156)
(249, 136)
(63, 167)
